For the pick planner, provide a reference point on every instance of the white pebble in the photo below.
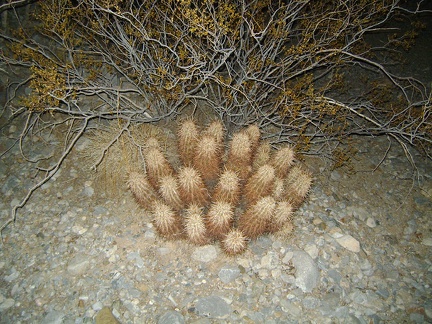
(349, 243)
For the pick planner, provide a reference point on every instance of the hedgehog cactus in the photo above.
(254, 222)
(187, 140)
(195, 227)
(207, 157)
(240, 155)
(260, 184)
(167, 222)
(220, 218)
(170, 193)
(192, 187)
(141, 189)
(230, 197)
(228, 188)
(157, 166)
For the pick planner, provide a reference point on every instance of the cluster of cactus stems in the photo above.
(230, 196)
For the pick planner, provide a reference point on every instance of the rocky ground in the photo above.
(360, 252)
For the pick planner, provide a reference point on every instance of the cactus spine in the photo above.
(187, 140)
(240, 155)
(262, 155)
(141, 189)
(170, 192)
(166, 221)
(207, 157)
(157, 166)
(298, 183)
(282, 215)
(255, 220)
(192, 187)
(283, 160)
(228, 188)
(234, 242)
(260, 184)
(195, 226)
(216, 130)
(254, 134)
(219, 219)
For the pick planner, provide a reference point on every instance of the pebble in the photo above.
(213, 307)
(229, 273)
(139, 262)
(291, 308)
(427, 241)
(371, 222)
(88, 191)
(53, 317)
(171, 317)
(307, 273)
(104, 316)
(205, 253)
(349, 243)
(6, 304)
(78, 265)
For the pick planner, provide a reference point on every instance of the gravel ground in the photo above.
(360, 252)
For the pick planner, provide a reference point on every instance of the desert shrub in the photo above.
(283, 65)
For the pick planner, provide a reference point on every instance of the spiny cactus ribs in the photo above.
(230, 197)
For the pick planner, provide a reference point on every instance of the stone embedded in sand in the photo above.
(349, 243)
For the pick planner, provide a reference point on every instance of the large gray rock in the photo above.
(307, 273)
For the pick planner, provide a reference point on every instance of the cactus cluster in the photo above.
(230, 196)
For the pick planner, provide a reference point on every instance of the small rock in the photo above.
(204, 253)
(371, 222)
(150, 234)
(14, 275)
(417, 318)
(288, 256)
(139, 262)
(228, 273)
(171, 317)
(427, 241)
(335, 175)
(6, 304)
(291, 308)
(307, 273)
(104, 316)
(312, 250)
(164, 250)
(269, 260)
(53, 317)
(360, 213)
(349, 243)
(97, 306)
(100, 210)
(79, 264)
(310, 302)
(77, 229)
(261, 245)
(88, 191)
(212, 307)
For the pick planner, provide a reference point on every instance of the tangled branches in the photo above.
(284, 65)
